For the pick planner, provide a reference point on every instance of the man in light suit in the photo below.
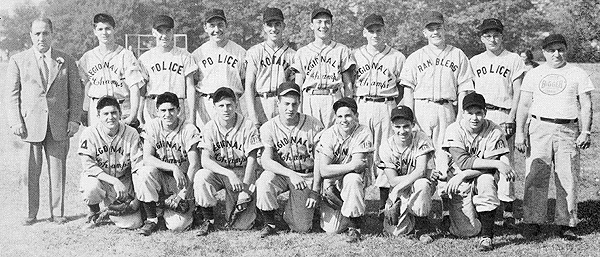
(45, 98)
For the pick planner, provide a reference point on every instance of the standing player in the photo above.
(434, 77)
(559, 95)
(267, 65)
(406, 159)
(110, 151)
(498, 76)
(220, 64)
(323, 69)
(170, 161)
(378, 87)
(110, 69)
(344, 153)
(168, 68)
(229, 148)
(289, 161)
(479, 150)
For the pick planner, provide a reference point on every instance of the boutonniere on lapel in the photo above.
(60, 61)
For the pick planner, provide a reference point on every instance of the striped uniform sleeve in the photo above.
(252, 137)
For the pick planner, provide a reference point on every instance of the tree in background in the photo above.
(16, 28)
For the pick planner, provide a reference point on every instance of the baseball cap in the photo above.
(491, 24)
(373, 19)
(214, 13)
(433, 17)
(104, 18)
(107, 101)
(320, 10)
(288, 87)
(167, 97)
(223, 92)
(345, 102)
(272, 14)
(554, 38)
(473, 99)
(402, 112)
(163, 20)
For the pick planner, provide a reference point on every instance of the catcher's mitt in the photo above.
(175, 203)
(331, 196)
(117, 208)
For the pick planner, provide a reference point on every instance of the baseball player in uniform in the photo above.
(170, 161)
(479, 151)
(268, 64)
(110, 69)
(229, 146)
(497, 75)
(377, 87)
(557, 96)
(345, 155)
(406, 159)
(168, 68)
(434, 77)
(220, 64)
(289, 139)
(109, 152)
(323, 69)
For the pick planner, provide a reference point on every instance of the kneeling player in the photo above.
(170, 161)
(479, 151)
(345, 155)
(229, 148)
(109, 151)
(289, 139)
(405, 159)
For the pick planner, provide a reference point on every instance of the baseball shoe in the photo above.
(205, 228)
(444, 228)
(148, 228)
(353, 235)
(485, 244)
(267, 231)
(91, 222)
(29, 221)
(59, 220)
(567, 233)
(425, 238)
(509, 222)
(530, 230)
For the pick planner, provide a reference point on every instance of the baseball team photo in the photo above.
(300, 128)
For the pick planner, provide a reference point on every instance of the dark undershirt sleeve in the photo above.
(462, 158)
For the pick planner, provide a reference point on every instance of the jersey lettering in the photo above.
(498, 69)
(84, 145)
(439, 62)
(221, 58)
(162, 66)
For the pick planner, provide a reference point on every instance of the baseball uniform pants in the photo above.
(551, 145)
(433, 118)
(477, 195)
(321, 106)
(269, 185)
(413, 201)
(149, 183)
(95, 191)
(206, 185)
(93, 118)
(506, 189)
(352, 192)
(266, 108)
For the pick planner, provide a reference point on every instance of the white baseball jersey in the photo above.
(323, 67)
(378, 75)
(494, 76)
(269, 66)
(404, 161)
(437, 76)
(220, 67)
(172, 146)
(230, 147)
(555, 91)
(294, 145)
(166, 72)
(489, 143)
(117, 156)
(110, 74)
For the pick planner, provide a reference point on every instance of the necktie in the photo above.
(45, 71)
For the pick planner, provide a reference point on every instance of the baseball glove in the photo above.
(175, 203)
(391, 213)
(243, 201)
(509, 128)
(331, 197)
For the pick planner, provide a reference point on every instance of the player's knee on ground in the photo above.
(485, 197)
(266, 193)
(91, 190)
(353, 194)
(131, 221)
(204, 191)
(147, 185)
(423, 189)
(176, 221)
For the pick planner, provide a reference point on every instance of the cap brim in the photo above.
(284, 92)
(373, 23)
(215, 16)
(162, 24)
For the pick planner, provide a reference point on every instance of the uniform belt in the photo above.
(118, 100)
(438, 101)
(322, 91)
(496, 108)
(266, 95)
(304, 171)
(557, 121)
(378, 99)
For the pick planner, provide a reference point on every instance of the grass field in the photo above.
(48, 239)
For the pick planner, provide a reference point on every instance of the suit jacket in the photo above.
(36, 106)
